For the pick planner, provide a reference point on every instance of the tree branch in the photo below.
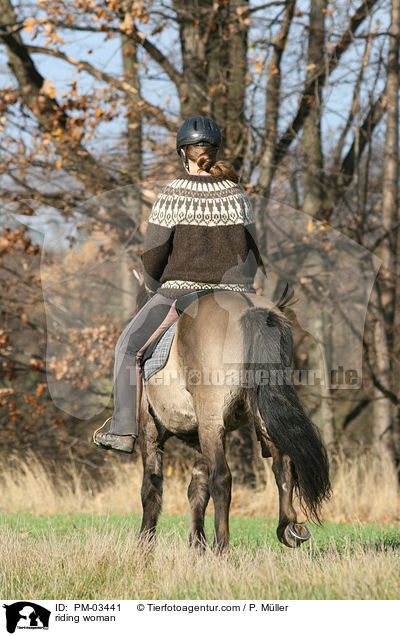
(370, 122)
(267, 149)
(320, 75)
(355, 412)
(122, 85)
(157, 55)
(356, 97)
(46, 109)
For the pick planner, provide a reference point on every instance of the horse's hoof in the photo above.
(220, 548)
(294, 534)
(147, 538)
(198, 543)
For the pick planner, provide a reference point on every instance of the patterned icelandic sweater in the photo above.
(200, 235)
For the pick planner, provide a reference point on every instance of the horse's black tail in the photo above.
(268, 349)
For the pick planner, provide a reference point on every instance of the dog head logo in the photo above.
(26, 615)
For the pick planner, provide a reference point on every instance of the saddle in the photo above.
(157, 354)
(154, 353)
(153, 356)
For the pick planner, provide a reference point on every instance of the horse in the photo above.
(218, 378)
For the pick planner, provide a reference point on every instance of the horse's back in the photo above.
(206, 353)
(207, 325)
(210, 330)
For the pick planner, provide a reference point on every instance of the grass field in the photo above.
(72, 538)
(98, 557)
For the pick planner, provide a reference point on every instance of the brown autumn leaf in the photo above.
(57, 38)
(158, 29)
(4, 244)
(40, 388)
(127, 25)
(6, 391)
(29, 24)
(48, 89)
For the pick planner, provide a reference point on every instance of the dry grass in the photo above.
(364, 490)
(71, 556)
(104, 565)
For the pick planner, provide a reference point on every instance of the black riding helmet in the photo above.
(198, 131)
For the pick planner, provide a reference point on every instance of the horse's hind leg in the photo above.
(289, 532)
(151, 445)
(199, 495)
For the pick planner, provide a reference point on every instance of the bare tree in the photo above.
(265, 72)
(387, 324)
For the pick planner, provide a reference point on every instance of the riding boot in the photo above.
(123, 428)
(123, 443)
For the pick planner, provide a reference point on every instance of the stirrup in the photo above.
(99, 429)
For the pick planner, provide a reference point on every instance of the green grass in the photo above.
(251, 533)
(97, 556)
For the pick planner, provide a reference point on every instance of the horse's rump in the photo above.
(216, 380)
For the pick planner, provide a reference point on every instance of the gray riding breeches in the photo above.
(131, 340)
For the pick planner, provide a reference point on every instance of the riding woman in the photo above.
(200, 236)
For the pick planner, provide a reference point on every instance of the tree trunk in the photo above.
(386, 333)
(217, 61)
(267, 163)
(312, 168)
(133, 114)
(133, 166)
(383, 407)
(193, 20)
(214, 61)
(236, 128)
(314, 204)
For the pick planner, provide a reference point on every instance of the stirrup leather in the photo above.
(99, 429)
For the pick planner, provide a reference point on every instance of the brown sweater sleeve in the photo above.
(252, 245)
(156, 250)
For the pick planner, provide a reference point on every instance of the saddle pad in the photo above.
(159, 357)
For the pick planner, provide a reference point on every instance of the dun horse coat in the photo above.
(226, 351)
